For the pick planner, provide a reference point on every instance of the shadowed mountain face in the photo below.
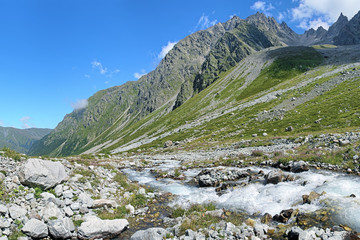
(21, 140)
(195, 63)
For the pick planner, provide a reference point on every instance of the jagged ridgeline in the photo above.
(141, 112)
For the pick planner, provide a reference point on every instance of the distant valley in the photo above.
(21, 140)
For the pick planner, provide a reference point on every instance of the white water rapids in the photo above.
(258, 198)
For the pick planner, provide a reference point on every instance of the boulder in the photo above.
(149, 234)
(300, 166)
(35, 228)
(94, 227)
(284, 215)
(51, 211)
(311, 197)
(274, 177)
(58, 230)
(207, 181)
(17, 212)
(42, 173)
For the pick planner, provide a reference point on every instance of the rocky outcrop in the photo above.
(94, 228)
(42, 173)
(350, 32)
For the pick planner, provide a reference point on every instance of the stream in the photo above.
(259, 198)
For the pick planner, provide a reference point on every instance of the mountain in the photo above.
(21, 140)
(349, 33)
(216, 69)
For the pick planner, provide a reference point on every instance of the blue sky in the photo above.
(54, 54)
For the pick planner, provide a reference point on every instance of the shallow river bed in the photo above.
(259, 198)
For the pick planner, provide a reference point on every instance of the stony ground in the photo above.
(90, 198)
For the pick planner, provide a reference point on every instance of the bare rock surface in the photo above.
(42, 173)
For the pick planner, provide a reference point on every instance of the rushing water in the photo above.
(260, 198)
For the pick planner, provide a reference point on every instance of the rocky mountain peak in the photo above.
(232, 23)
(348, 31)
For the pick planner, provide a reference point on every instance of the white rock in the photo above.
(68, 211)
(51, 211)
(68, 194)
(43, 173)
(35, 229)
(47, 195)
(3, 209)
(86, 199)
(130, 208)
(58, 190)
(17, 212)
(98, 203)
(149, 234)
(94, 227)
(58, 230)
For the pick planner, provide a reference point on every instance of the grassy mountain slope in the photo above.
(292, 86)
(111, 111)
(21, 140)
(207, 75)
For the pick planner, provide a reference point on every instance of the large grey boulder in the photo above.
(35, 228)
(59, 230)
(149, 234)
(42, 173)
(94, 228)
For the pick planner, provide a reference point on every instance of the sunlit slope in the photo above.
(307, 89)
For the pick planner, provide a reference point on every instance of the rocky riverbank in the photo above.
(174, 196)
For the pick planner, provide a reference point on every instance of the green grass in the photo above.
(11, 154)
(117, 213)
(282, 69)
(324, 46)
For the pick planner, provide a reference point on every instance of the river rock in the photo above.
(284, 215)
(58, 229)
(149, 234)
(300, 166)
(207, 181)
(43, 173)
(274, 177)
(35, 229)
(311, 197)
(94, 228)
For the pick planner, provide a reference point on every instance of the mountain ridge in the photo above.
(194, 64)
(21, 140)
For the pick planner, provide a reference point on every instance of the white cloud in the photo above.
(99, 66)
(281, 16)
(204, 22)
(165, 49)
(310, 13)
(259, 5)
(262, 6)
(87, 75)
(26, 122)
(80, 104)
(110, 75)
(139, 75)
